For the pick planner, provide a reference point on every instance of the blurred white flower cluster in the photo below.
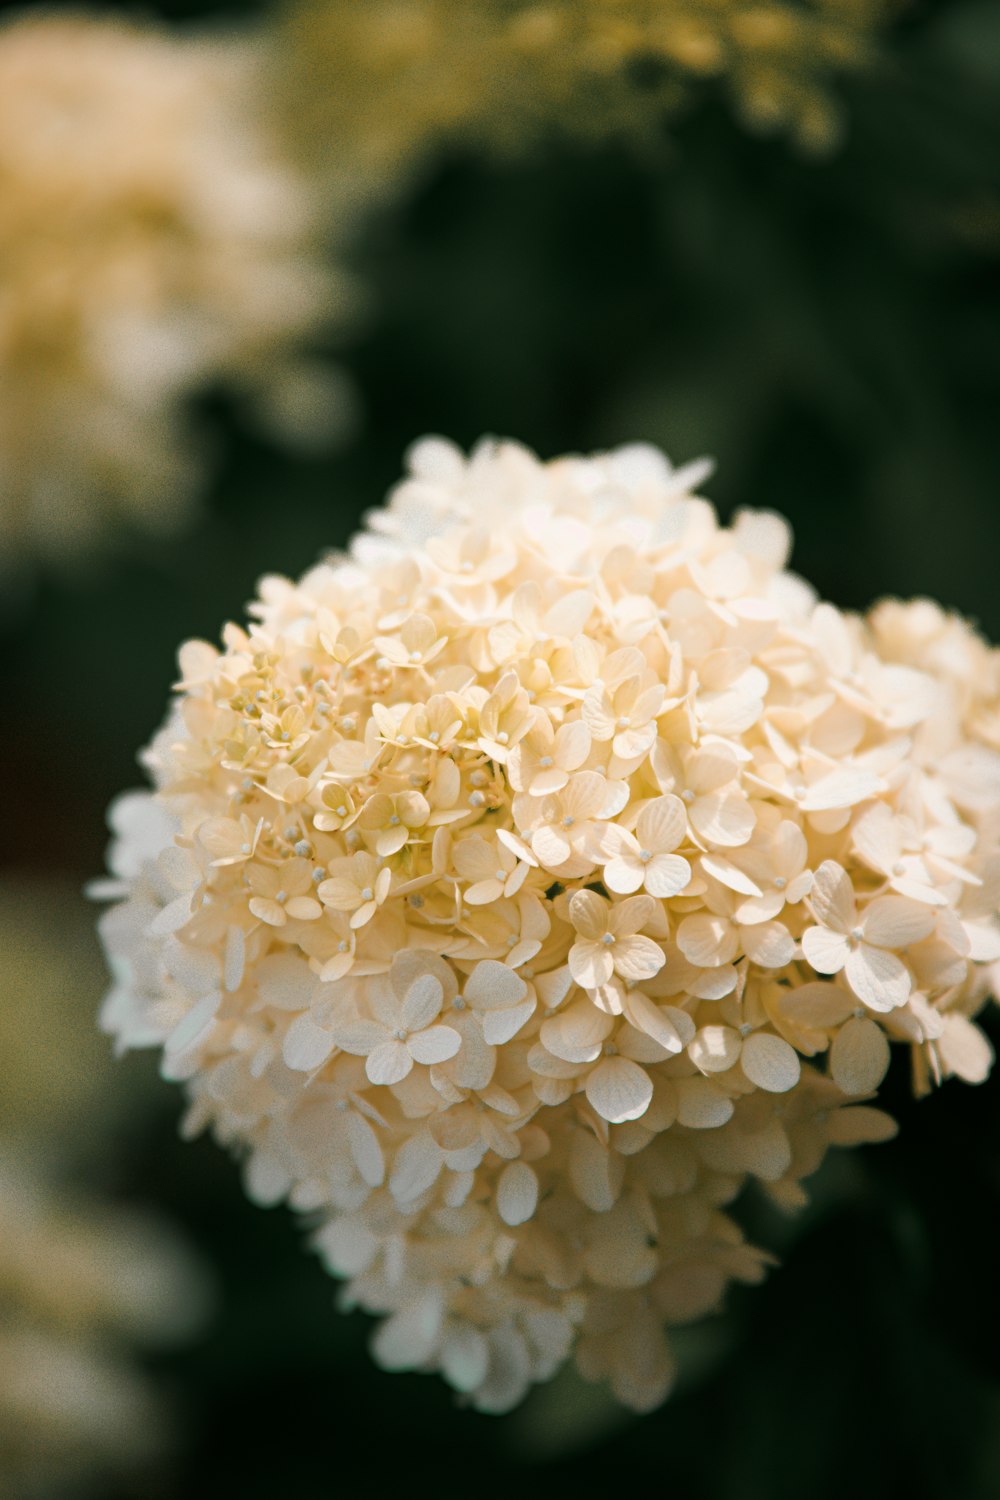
(83, 1287)
(154, 244)
(86, 1286)
(520, 885)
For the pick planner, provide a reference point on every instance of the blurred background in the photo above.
(247, 255)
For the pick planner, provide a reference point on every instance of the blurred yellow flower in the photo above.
(363, 89)
(153, 243)
(617, 66)
(384, 79)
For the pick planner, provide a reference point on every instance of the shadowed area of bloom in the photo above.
(520, 885)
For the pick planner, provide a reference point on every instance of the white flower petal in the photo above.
(701, 1105)
(500, 1026)
(172, 917)
(662, 824)
(435, 1045)
(346, 1246)
(595, 1172)
(365, 1149)
(816, 1005)
(422, 1003)
(770, 1063)
(569, 616)
(493, 986)
(859, 1125)
(637, 958)
(591, 964)
(359, 1037)
(715, 1048)
(660, 1024)
(509, 1373)
(390, 1062)
(624, 874)
(826, 951)
(895, 922)
(713, 984)
(407, 1339)
(965, 1049)
(550, 847)
(517, 1193)
(619, 1089)
(724, 818)
(878, 978)
(832, 897)
(465, 1357)
(984, 941)
(859, 1056)
(285, 982)
(630, 916)
(589, 914)
(768, 944)
(572, 745)
(706, 940)
(194, 1026)
(729, 875)
(845, 787)
(972, 774)
(265, 1179)
(576, 1035)
(306, 1046)
(667, 875)
(417, 1167)
(234, 959)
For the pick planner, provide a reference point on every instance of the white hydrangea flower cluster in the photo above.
(522, 884)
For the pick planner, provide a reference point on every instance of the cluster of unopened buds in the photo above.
(522, 883)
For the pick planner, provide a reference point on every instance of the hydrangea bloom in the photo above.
(153, 242)
(522, 883)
